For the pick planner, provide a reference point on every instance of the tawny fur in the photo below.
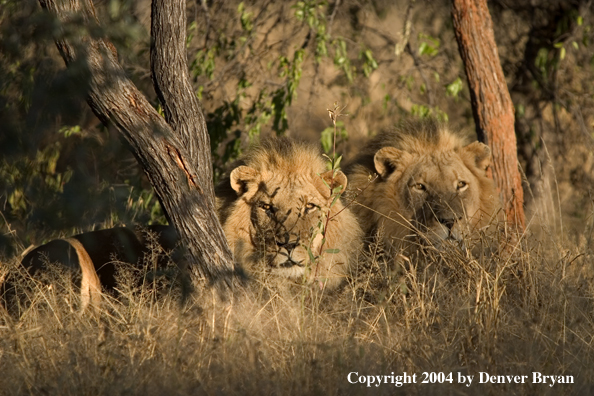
(431, 186)
(90, 287)
(276, 196)
(95, 254)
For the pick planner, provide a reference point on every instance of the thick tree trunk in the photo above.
(491, 103)
(176, 161)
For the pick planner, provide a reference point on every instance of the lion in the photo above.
(431, 187)
(281, 215)
(94, 256)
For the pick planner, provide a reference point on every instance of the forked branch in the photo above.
(175, 156)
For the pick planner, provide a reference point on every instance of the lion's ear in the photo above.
(241, 177)
(481, 153)
(333, 180)
(390, 159)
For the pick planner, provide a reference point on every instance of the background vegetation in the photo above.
(263, 67)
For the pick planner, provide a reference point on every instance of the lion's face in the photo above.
(436, 195)
(285, 213)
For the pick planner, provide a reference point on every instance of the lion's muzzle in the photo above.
(286, 252)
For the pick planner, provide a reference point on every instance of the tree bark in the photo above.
(491, 103)
(176, 160)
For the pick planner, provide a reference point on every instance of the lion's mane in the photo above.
(273, 206)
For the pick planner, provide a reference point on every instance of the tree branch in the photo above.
(173, 159)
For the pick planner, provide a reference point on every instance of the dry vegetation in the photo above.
(528, 307)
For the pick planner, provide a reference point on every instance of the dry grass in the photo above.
(527, 309)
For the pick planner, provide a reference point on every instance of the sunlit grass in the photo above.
(505, 313)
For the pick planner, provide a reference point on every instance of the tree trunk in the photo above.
(175, 158)
(491, 103)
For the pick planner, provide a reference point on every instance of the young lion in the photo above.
(431, 186)
(278, 213)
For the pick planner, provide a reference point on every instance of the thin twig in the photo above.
(419, 67)
(405, 30)
(331, 20)
(208, 21)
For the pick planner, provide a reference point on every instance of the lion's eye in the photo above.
(419, 187)
(310, 206)
(265, 206)
(462, 185)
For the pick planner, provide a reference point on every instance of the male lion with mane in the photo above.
(431, 187)
(272, 206)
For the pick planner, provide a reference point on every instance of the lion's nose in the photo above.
(288, 244)
(449, 223)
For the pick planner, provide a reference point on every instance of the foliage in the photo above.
(248, 73)
(60, 170)
(262, 67)
(253, 104)
(332, 136)
(549, 83)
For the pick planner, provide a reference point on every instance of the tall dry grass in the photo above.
(528, 308)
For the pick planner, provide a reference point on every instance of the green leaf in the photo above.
(429, 45)
(454, 88)
(337, 161)
(324, 181)
(420, 111)
(520, 110)
(69, 131)
(326, 139)
(332, 251)
(369, 64)
(327, 136)
(541, 61)
(336, 198)
(423, 48)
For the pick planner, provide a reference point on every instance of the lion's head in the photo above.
(280, 200)
(432, 186)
